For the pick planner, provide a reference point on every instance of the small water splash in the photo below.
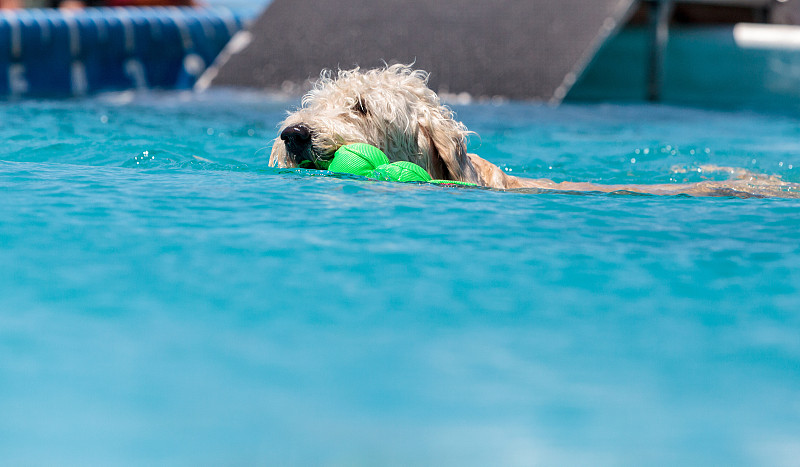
(168, 160)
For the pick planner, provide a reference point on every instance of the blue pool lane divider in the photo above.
(48, 52)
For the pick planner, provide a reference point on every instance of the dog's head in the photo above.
(391, 108)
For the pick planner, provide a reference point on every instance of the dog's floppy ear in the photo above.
(444, 141)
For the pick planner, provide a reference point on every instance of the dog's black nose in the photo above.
(297, 139)
(297, 136)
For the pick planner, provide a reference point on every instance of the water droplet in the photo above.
(780, 164)
(104, 119)
(210, 131)
(753, 161)
(633, 160)
(647, 150)
(251, 132)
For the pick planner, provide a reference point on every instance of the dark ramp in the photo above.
(525, 49)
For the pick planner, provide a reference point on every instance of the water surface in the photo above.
(167, 298)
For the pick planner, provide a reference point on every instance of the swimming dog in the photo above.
(393, 109)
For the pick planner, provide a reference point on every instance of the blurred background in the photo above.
(166, 298)
(693, 52)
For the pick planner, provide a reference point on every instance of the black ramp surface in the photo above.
(513, 48)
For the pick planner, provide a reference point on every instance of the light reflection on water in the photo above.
(210, 310)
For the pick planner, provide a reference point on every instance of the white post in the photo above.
(660, 14)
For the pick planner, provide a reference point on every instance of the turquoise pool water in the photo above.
(161, 308)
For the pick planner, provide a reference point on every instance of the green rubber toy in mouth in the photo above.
(358, 159)
(368, 161)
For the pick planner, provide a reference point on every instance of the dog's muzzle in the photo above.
(297, 139)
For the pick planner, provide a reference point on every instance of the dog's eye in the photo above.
(360, 107)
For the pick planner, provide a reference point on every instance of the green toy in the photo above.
(357, 159)
(401, 171)
(368, 161)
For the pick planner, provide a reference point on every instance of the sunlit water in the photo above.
(157, 307)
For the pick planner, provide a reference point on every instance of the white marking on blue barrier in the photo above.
(84, 30)
(74, 36)
(100, 23)
(26, 20)
(135, 71)
(208, 28)
(155, 26)
(127, 26)
(16, 36)
(17, 84)
(23, 15)
(134, 19)
(186, 35)
(133, 14)
(43, 22)
(80, 84)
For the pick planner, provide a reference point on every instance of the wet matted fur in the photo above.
(391, 108)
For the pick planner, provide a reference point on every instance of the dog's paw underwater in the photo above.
(368, 161)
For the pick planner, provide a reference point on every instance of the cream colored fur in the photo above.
(394, 109)
(391, 108)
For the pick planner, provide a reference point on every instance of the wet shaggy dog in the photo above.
(394, 109)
